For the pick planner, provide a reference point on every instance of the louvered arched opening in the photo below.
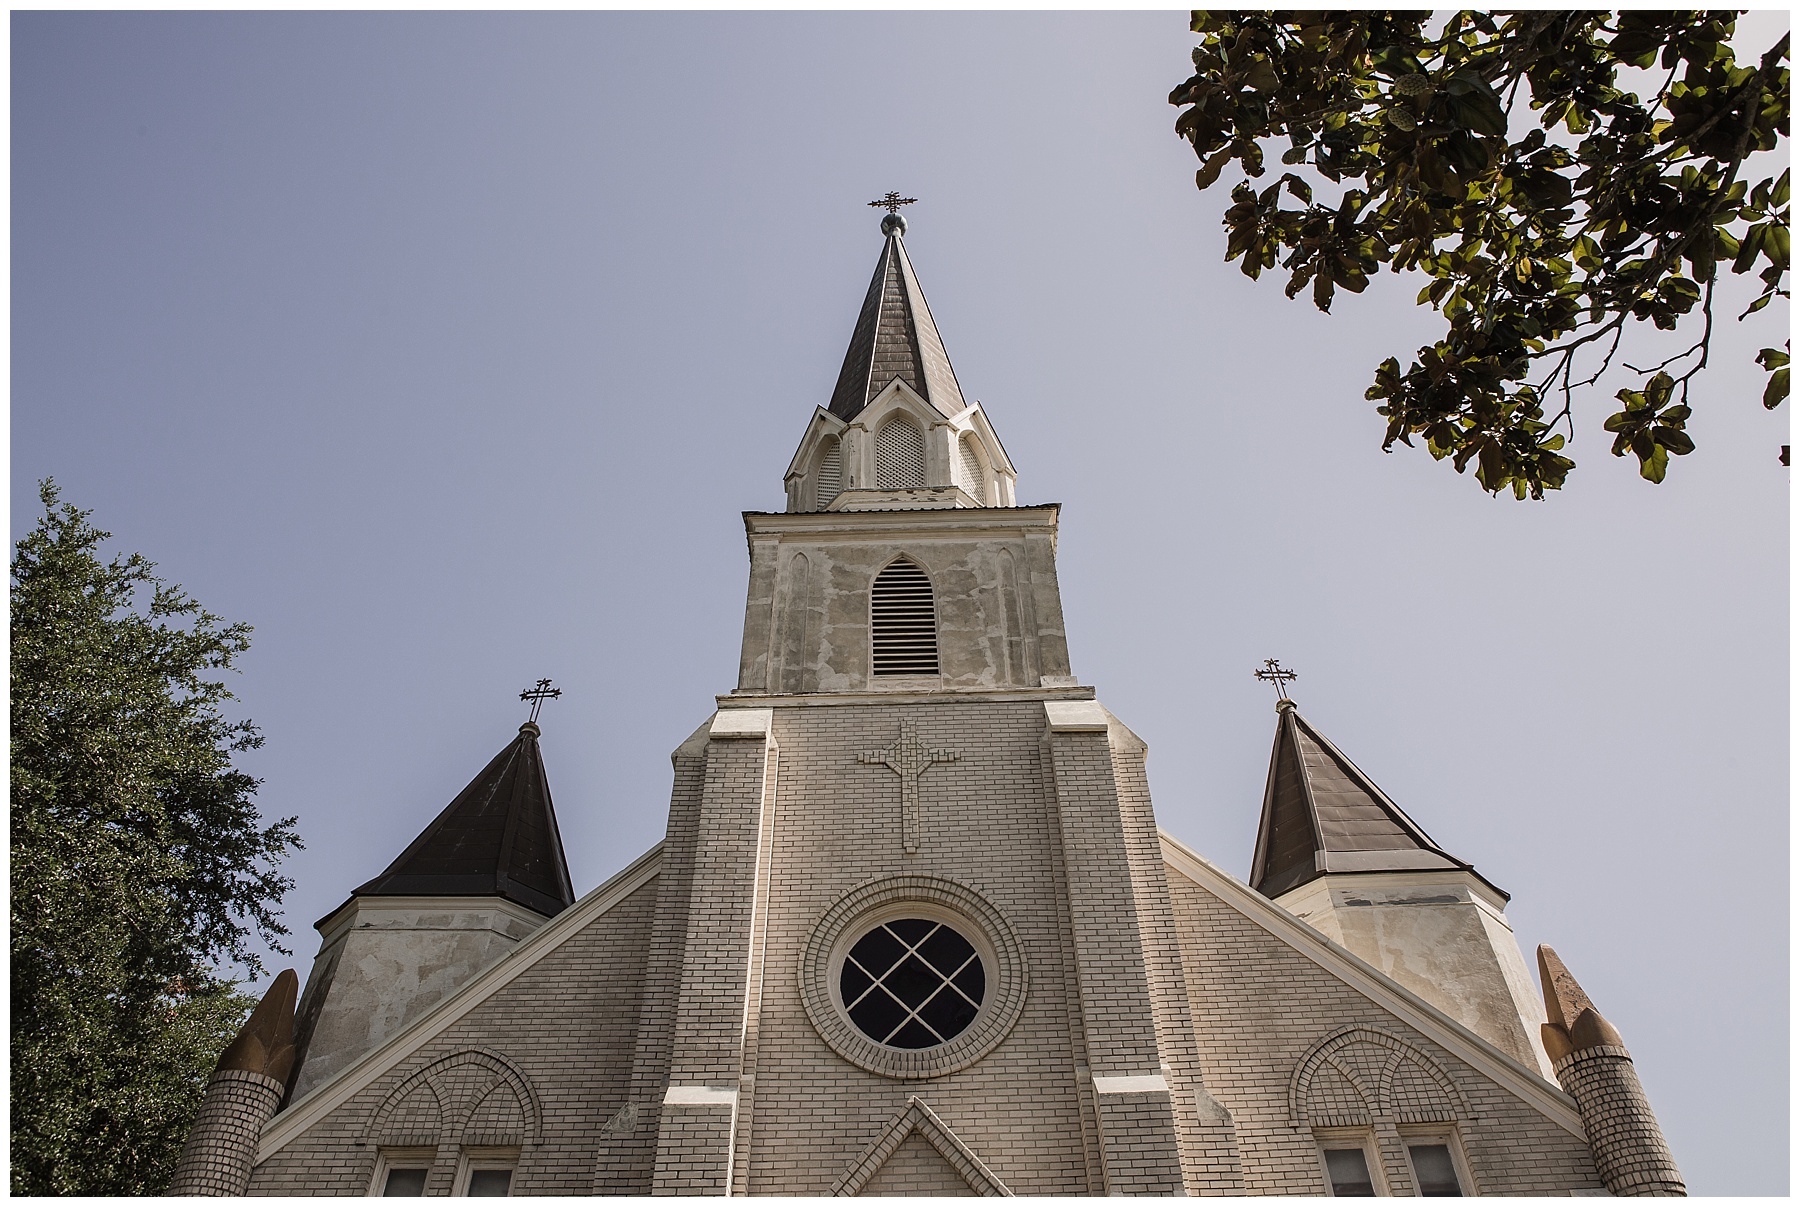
(969, 464)
(900, 456)
(903, 621)
(828, 478)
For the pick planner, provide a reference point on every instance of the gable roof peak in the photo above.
(1321, 814)
(895, 337)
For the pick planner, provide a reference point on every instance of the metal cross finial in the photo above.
(892, 202)
(1273, 673)
(537, 695)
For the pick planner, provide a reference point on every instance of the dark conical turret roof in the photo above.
(498, 838)
(895, 337)
(1322, 814)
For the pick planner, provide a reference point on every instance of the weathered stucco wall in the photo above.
(1439, 935)
(384, 961)
(806, 621)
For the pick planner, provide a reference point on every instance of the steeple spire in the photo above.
(895, 335)
(498, 838)
(1322, 814)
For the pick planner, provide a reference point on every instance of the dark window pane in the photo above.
(852, 983)
(881, 983)
(877, 951)
(946, 951)
(490, 1181)
(911, 929)
(913, 981)
(404, 1181)
(913, 1036)
(972, 981)
(1435, 1170)
(877, 1014)
(948, 1013)
(1349, 1170)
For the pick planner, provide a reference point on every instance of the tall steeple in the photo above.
(898, 434)
(895, 337)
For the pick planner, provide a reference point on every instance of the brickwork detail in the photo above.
(1007, 982)
(626, 1158)
(567, 1025)
(893, 1163)
(694, 1141)
(215, 1160)
(1628, 1144)
(1264, 1016)
(1140, 1150)
(1209, 1153)
(475, 1097)
(1359, 1074)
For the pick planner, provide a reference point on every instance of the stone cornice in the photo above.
(911, 522)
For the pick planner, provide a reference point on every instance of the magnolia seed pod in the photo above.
(1401, 118)
(1412, 85)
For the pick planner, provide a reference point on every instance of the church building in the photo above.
(913, 929)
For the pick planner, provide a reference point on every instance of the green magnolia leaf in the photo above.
(1395, 132)
(1777, 389)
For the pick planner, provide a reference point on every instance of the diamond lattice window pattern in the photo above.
(912, 983)
(900, 456)
(903, 621)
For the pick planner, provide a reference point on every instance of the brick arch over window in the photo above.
(899, 455)
(903, 620)
(476, 1096)
(1358, 1074)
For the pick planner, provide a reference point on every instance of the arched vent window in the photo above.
(829, 479)
(972, 480)
(903, 621)
(900, 456)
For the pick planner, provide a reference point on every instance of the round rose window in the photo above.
(912, 983)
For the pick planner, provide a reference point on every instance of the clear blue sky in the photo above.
(446, 349)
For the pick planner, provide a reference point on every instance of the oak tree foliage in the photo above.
(1555, 175)
(140, 867)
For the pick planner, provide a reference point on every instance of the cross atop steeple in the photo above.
(537, 695)
(1273, 673)
(892, 202)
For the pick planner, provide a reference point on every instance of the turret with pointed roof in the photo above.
(485, 874)
(1336, 853)
(1322, 814)
(497, 838)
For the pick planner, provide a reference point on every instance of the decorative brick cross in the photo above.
(909, 760)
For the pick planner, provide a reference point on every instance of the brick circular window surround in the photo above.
(927, 964)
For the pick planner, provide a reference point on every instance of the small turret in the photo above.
(485, 874)
(242, 1095)
(1593, 1066)
(1336, 853)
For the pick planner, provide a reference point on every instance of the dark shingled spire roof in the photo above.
(498, 838)
(1322, 814)
(895, 337)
